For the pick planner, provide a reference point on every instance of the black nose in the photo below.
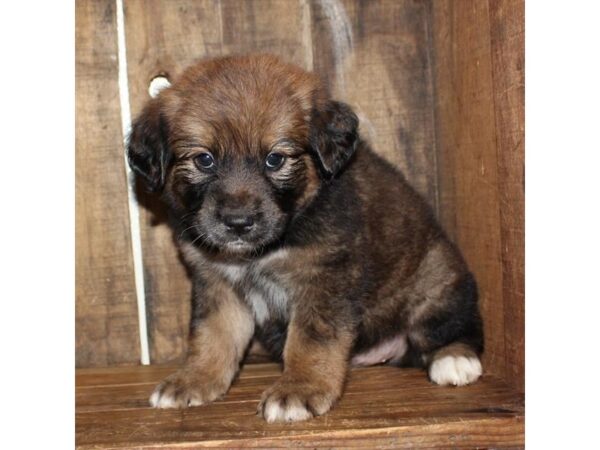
(238, 223)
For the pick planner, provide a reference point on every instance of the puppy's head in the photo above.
(237, 146)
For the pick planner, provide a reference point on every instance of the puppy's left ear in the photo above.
(147, 149)
(334, 135)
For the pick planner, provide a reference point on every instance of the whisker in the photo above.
(198, 237)
(185, 216)
(188, 228)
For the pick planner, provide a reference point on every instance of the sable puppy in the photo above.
(298, 234)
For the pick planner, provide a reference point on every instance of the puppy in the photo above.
(299, 235)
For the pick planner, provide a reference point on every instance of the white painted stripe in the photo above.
(134, 213)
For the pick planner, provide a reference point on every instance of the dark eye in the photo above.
(205, 160)
(274, 161)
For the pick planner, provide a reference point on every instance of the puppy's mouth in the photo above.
(233, 245)
(238, 246)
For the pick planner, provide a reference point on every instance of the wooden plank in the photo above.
(129, 396)
(382, 406)
(164, 37)
(375, 55)
(109, 376)
(467, 155)
(270, 26)
(106, 311)
(507, 23)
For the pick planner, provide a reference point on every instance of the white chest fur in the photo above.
(262, 288)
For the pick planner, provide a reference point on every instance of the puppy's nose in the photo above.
(238, 223)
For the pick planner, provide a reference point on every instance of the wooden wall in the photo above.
(428, 81)
(106, 311)
(478, 61)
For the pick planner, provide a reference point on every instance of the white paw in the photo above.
(276, 412)
(455, 370)
(162, 401)
(168, 398)
(291, 401)
(184, 389)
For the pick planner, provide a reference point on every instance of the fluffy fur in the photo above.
(297, 234)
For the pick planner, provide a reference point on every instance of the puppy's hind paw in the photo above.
(455, 370)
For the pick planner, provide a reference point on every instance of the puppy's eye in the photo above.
(205, 161)
(274, 161)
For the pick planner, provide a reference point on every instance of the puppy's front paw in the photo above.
(290, 401)
(186, 388)
(455, 370)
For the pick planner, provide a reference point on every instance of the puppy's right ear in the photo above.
(147, 147)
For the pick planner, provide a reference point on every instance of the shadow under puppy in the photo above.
(299, 235)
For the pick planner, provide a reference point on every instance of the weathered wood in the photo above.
(467, 155)
(269, 26)
(106, 311)
(507, 23)
(375, 56)
(164, 37)
(382, 406)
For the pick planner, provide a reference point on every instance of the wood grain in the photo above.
(375, 55)
(468, 156)
(269, 26)
(382, 406)
(106, 310)
(507, 22)
(507, 31)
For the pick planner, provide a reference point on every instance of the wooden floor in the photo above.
(381, 407)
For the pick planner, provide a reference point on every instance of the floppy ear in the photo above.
(334, 135)
(147, 149)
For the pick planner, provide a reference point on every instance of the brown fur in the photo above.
(326, 255)
(209, 369)
(314, 371)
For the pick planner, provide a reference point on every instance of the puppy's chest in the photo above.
(260, 287)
